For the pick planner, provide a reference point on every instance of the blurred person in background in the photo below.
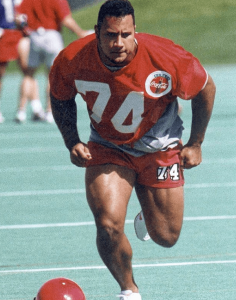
(13, 42)
(45, 19)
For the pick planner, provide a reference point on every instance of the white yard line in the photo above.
(71, 167)
(177, 264)
(80, 191)
(89, 223)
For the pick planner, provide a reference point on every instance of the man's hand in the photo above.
(191, 156)
(1, 32)
(80, 154)
(21, 21)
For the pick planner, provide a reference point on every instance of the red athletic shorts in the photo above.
(8, 45)
(160, 169)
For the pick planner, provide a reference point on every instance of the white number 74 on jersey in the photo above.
(134, 103)
(172, 171)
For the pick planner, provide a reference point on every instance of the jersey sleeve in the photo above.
(62, 9)
(187, 73)
(191, 76)
(62, 82)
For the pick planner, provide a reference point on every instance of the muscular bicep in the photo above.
(65, 116)
(202, 106)
(209, 90)
(63, 109)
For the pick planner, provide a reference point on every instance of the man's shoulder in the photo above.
(149, 40)
(161, 48)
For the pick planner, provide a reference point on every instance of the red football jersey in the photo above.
(44, 13)
(125, 104)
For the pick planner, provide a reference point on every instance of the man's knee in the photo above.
(166, 238)
(108, 232)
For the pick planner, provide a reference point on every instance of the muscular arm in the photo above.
(65, 115)
(202, 106)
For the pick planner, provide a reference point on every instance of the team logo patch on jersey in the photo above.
(158, 84)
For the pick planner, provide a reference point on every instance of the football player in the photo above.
(9, 38)
(14, 45)
(130, 82)
(45, 20)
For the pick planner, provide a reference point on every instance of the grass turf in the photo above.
(205, 28)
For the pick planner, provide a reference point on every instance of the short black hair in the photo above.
(115, 8)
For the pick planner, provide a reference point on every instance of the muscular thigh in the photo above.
(162, 208)
(108, 190)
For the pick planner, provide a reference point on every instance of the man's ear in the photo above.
(96, 31)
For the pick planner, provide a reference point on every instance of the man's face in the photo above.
(116, 43)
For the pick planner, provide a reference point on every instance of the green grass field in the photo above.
(205, 28)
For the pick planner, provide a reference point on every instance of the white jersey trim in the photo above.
(206, 80)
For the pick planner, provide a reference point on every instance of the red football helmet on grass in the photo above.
(60, 289)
